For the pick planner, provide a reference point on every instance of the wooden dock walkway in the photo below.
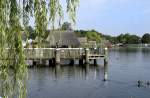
(54, 55)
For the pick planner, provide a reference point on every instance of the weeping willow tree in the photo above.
(14, 18)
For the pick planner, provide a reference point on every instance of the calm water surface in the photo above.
(126, 67)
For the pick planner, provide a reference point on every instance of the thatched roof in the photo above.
(62, 38)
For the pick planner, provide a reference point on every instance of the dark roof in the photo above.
(63, 38)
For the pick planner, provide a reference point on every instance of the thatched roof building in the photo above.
(61, 39)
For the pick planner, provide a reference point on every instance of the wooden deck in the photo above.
(64, 53)
(82, 54)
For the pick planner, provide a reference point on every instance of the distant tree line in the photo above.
(129, 39)
(122, 38)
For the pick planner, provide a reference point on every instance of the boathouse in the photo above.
(62, 39)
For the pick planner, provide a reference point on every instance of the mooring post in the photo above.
(106, 72)
(105, 64)
(87, 52)
(105, 56)
(57, 56)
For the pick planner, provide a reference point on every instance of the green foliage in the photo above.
(71, 9)
(133, 39)
(92, 35)
(128, 39)
(110, 38)
(146, 38)
(31, 32)
(81, 33)
(123, 38)
(14, 18)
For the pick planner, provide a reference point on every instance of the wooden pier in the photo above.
(54, 55)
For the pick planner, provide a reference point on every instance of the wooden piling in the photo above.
(81, 61)
(105, 64)
(57, 56)
(105, 56)
(106, 72)
(95, 62)
(87, 52)
(34, 63)
(71, 61)
(50, 62)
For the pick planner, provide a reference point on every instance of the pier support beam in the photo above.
(87, 52)
(51, 62)
(57, 56)
(105, 56)
(80, 61)
(42, 62)
(95, 62)
(72, 62)
(105, 65)
(34, 63)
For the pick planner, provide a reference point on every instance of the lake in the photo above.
(126, 67)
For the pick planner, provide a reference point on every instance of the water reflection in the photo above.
(61, 79)
(130, 50)
(67, 72)
(125, 50)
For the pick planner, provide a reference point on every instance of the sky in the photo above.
(114, 17)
